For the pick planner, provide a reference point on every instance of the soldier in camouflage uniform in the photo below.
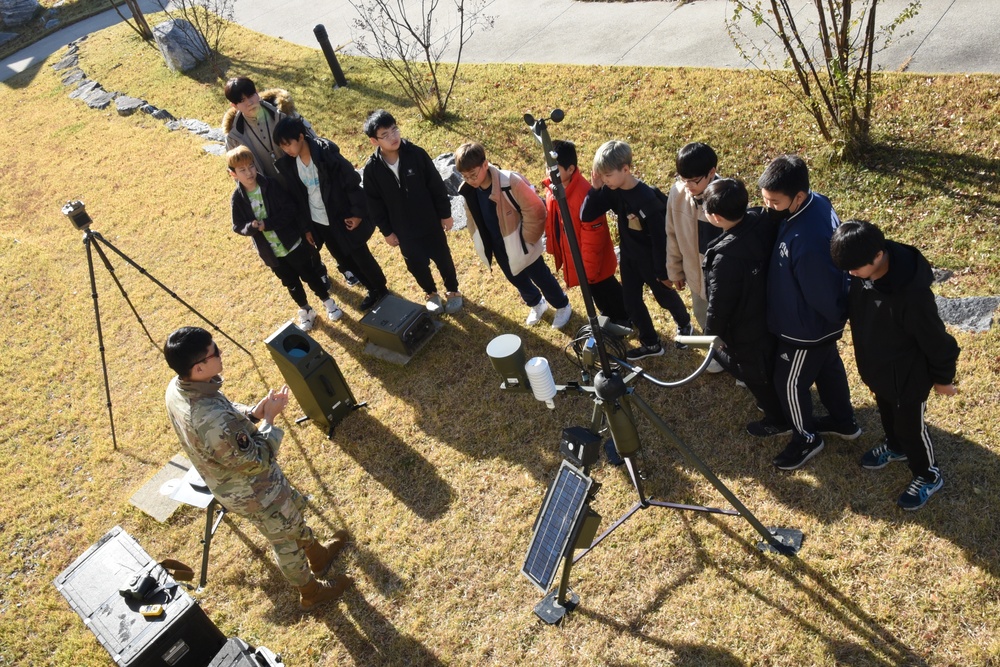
(238, 461)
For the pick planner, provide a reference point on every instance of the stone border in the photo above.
(92, 94)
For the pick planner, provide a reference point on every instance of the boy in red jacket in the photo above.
(596, 247)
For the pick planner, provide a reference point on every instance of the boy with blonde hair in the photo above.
(641, 211)
(262, 210)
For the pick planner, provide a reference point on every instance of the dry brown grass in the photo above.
(439, 479)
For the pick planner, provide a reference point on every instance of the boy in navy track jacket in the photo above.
(806, 310)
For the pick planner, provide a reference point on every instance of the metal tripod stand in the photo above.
(614, 403)
(93, 242)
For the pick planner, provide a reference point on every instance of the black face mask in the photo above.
(778, 216)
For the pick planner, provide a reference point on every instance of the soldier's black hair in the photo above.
(184, 347)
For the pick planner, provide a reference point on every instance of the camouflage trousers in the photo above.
(283, 526)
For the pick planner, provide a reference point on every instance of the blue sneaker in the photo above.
(919, 490)
(881, 456)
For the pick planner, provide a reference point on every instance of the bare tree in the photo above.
(831, 57)
(410, 40)
(140, 25)
(210, 19)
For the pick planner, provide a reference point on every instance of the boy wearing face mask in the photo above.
(806, 310)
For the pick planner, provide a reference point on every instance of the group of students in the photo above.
(776, 283)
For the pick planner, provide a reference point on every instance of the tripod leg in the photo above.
(693, 459)
(100, 335)
(121, 288)
(166, 289)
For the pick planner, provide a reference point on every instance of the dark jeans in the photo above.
(358, 261)
(796, 369)
(418, 254)
(533, 282)
(906, 432)
(303, 264)
(637, 272)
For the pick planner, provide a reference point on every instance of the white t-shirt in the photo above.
(309, 176)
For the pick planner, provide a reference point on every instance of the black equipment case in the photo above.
(397, 325)
(237, 653)
(181, 636)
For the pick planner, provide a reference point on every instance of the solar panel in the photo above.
(564, 501)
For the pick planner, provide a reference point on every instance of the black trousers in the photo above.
(609, 299)
(418, 254)
(796, 369)
(906, 432)
(636, 273)
(755, 368)
(303, 264)
(358, 261)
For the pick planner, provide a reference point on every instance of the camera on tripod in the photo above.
(76, 211)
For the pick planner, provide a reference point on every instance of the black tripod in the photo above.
(614, 403)
(77, 214)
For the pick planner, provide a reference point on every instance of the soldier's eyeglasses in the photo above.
(217, 353)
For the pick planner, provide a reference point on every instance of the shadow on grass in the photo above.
(456, 393)
(393, 464)
(682, 654)
(847, 615)
(972, 180)
(370, 639)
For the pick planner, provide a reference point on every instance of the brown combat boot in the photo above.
(316, 592)
(320, 556)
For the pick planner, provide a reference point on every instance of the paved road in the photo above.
(946, 36)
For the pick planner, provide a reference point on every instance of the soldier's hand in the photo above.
(274, 403)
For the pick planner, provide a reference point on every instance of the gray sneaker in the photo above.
(434, 305)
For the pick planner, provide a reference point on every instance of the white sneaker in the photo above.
(332, 310)
(535, 313)
(434, 305)
(562, 316)
(306, 318)
(714, 367)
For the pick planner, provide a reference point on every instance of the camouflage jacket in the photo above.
(235, 458)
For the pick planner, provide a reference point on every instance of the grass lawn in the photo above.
(440, 478)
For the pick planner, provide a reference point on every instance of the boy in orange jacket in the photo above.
(594, 238)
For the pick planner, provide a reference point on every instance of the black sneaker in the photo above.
(765, 428)
(797, 453)
(919, 491)
(684, 331)
(643, 351)
(849, 431)
(369, 301)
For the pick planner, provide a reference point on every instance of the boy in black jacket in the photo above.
(263, 211)
(641, 212)
(409, 204)
(901, 347)
(328, 191)
(735, 271)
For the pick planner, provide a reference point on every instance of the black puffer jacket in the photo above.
(735, 270)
